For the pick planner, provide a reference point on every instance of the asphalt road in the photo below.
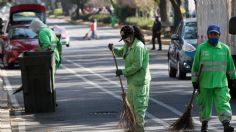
(88, 93)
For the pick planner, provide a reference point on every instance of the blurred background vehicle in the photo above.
(62, 34)
(24, 14)
(19, 39)
(182, 48)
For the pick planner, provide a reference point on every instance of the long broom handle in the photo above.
(199, 72)
(122, 88)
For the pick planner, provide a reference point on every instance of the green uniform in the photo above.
(47, 38)
(216, 62)
(138, 77)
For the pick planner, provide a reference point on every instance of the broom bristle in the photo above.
(185, 122)
(128, 120)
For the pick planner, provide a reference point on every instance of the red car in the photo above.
(19, 39)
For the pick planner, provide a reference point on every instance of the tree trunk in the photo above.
(177, 13)
(163, 11)
(78, 7)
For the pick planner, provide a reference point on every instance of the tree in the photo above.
(177, 13)
(163, 11)
(123, 9)
(80, 5)
(145, 7)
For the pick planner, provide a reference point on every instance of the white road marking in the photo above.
(149, 115)
(172, 109)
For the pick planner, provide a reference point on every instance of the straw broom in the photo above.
(185, 122)
(128, 120)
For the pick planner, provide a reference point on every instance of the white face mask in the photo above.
(127, 40)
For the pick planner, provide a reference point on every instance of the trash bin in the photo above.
(37, 69)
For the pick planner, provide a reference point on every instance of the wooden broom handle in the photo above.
(198, 75)
(122, 88)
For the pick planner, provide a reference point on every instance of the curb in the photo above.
(5, 125)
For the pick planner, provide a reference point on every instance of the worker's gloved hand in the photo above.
(119, 72)
(195, 85)
(110, 46)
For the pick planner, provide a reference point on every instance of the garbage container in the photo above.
(37, 69)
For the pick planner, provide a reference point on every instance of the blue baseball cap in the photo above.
(213, 28)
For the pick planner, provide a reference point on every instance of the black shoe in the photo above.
(227, 127)
(159, 49)
(153, 48)
(204, 127)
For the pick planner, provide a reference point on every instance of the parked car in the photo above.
(62, 34)
(24, 14)
(182, 48)
(19, 39)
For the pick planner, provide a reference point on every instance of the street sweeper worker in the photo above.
(136, 70)
(216, 61)
(47, 39)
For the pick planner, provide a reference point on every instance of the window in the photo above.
(190, 30)
(22, 33)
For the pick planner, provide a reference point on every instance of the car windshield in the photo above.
(190, 30)
(58, 30)
(22, 33)
(26, 16)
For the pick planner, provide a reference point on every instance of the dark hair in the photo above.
(138, 34)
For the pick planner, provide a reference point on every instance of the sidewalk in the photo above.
(5, 125)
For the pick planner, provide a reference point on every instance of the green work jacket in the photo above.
(136, 63)
(47, 38)
(216, 63)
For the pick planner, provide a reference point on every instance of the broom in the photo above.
(18, 89)
(128, 120)
(185, 122)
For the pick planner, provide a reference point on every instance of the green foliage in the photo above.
(124, 12)
(3, 2)
(145, 23)
(85, 16)
(105, 18)
(58, 12)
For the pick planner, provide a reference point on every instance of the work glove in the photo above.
(195, 85)
(119, 72)
(110, 46)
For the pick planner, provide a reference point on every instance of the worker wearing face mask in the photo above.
(136, 70)
(216, 61)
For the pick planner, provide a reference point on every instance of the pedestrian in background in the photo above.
(93, 28)
(136, 70)
(216, 61)
(156, 33)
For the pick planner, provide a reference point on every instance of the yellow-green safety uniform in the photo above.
(47, 38)
(138, 77)
(217, 62)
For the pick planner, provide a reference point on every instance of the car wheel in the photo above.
(180, 73)
(171, 70)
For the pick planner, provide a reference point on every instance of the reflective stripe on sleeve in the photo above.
(214, 63)
(231, 72)
(214, 69)
(194, 74)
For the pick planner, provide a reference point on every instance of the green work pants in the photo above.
(221, 97)
(138, 96)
